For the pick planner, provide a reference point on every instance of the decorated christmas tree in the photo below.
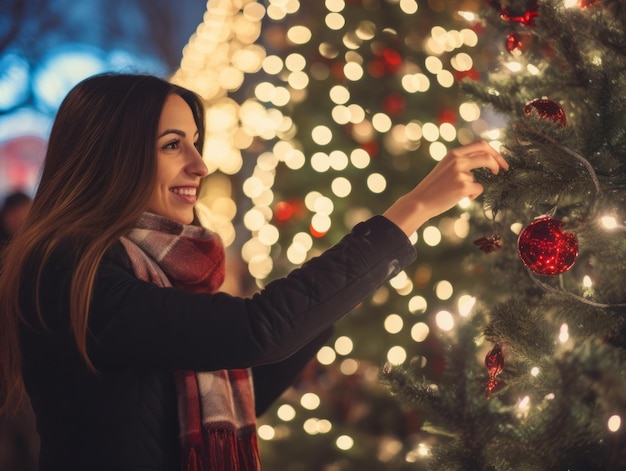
(535, 377)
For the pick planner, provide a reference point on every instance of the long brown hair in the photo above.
(98, 174)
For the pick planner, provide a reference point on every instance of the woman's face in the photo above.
(179, 165)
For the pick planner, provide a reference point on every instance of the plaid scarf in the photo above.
(216, 409)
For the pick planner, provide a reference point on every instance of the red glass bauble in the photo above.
(546, 109)
(587, 3)
(545, 248)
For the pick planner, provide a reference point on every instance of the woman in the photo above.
(111, 316)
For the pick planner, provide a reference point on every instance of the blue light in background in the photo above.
(14, 86)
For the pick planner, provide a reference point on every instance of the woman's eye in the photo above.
(172, 145)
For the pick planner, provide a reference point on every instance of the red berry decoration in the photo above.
(545, 248)
(547, 109)
(494, 361)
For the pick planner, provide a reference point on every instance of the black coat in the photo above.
(124, 417)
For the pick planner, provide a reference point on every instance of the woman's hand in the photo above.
(448, 183)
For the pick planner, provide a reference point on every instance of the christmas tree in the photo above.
(535, 377)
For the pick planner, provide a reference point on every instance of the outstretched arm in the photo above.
(449, 182)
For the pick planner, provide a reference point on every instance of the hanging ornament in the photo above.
(546, 109)
(494, 361)
(587, 3)
(545, 248)
(283, 210)
(489, 244)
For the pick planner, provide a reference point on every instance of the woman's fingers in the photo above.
(480, 154)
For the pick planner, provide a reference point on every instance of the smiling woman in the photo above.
(111, 316)
(179, 164)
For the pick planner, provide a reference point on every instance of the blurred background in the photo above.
(319, 114)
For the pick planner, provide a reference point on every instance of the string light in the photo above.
(614, 423)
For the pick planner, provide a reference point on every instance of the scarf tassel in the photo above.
(225, 451)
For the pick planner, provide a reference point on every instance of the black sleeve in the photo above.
(134, 323)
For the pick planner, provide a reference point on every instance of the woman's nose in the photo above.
(197, 165)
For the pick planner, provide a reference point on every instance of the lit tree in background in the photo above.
(371, 92)
(536, 377)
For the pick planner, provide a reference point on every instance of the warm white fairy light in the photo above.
(310, 401)
(564, 333)
(381, 122)
(420, 331)
(321, 135)
(532, 69)
(465, 304)
(286, 412)
(299, 34)
(335, 21)
(609, 222)
(447, 132)
(614, 423)
(266, 432)
(534, 371)
(311, 426)
(444, 290)
(432, 236)
(393, 323)
(587, 282)
(437, 151)
(445, 78)
(417, 304)
(444, 320)
(396, 355)
(326, 355)
(430, 132)
(410, 7)
(344, 442)
(338, 160)
(341, 187)
(343, 345)
(376, 183)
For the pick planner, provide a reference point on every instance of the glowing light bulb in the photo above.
(614, 423)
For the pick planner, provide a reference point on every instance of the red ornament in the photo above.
(283, 210)
(513, 43)
(587, 3)
(545, 248)
(494, 361)
(546, 109)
